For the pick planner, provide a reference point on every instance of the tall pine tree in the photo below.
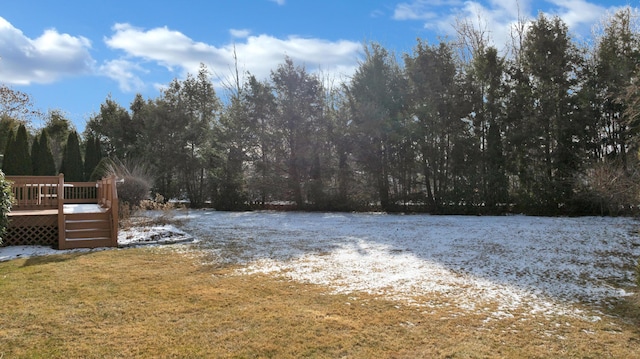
(375, 100)
(17, 161)
(72, 165)
(92, 156)
(46, 165)
(550, 156)
(8, 148)
(35, 155)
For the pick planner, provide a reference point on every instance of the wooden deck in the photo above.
(33, 212)
(67, 209)
(48, 211)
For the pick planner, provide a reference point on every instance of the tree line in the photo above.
(455, 127)
(37, 153)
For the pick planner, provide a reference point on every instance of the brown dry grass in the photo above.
(154, 303)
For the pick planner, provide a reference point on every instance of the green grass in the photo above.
(155, 303)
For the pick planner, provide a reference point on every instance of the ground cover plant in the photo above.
(267, 284)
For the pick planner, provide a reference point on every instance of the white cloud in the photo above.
(124, 72)
(42, 60)
(240, 33)
(495, 19)
(257, 54)
(415, 11)
(167, 47)
(498, 17)
(376, 13)
(578, 14)
(279, 2)
(421, 9)
(263, 53)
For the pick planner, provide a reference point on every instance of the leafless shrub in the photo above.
(158, 203)
(134, 180)
(612, 187)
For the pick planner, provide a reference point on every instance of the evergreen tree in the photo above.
(443, 139)
(198, 106)
(550, 156)
(92, 156)
(72, 166)
(375, 97)
(160, 138)
(260, 102)
(299, 109)
(617, 61)
(114, 125)
(232, 143)
(17, 161)
(46, 163)
(58, 128)
(35, 155)
(489, 71)
(7, 160)
(8, 128)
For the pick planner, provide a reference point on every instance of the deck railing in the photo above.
(80, 192)
(44, 192)
(36, 192)
(107, 196)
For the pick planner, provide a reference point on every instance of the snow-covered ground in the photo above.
(152, 234)
(134, 236)
(526, 264)
(533, 264)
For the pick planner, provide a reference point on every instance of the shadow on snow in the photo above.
(510, 259)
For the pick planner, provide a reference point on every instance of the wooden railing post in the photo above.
(114, 211)
(61, 220)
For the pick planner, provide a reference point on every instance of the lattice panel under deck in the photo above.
(32, 230)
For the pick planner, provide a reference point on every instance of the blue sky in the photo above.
(70, 55)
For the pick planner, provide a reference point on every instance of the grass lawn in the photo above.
(157, 303)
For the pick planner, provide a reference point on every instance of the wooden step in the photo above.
(88, 243)
(88, 224)
(87, 233)
(86, 216)
(87, 230)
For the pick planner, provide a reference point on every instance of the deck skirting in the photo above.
(31, 230)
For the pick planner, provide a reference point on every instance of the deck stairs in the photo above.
(88, 230)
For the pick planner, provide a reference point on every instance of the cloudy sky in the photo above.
(70, 55)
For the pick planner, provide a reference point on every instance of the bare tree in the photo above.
(473, 37)
(16, 104)
(518, 34)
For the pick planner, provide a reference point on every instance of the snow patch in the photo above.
(134, 236)
(535, 264)
(156, 234)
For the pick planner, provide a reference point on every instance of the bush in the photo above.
(157, 204)
(133, 190)
(135, 184)
(5, 204)
(609, 188)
